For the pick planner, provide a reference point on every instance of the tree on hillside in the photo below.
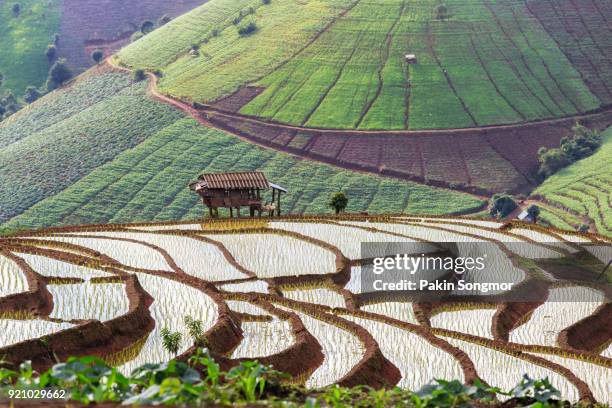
(31, 94)
(16, 9)
(1, 78)
(138, 75)
(338, 202)
(247, 27)
(502, 205)
(147, 26)
(171, 341)
(58, 74)
(51, 52)
(534, 212)
(97, 56)
(583, 143)
(551, 161)
(9, 104)
(441, 12)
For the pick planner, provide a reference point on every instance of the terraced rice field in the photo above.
(585, 188)
(284, 297)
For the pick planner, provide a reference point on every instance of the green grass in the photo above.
(24, 40)
(586, 186)
(488, 64)
(149, 183)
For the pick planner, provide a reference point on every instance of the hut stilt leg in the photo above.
(231, 212)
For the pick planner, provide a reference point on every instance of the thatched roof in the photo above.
(242, 180)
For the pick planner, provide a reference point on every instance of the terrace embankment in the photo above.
(447, 158)
(90, 338)
(298, 360)
(37, 301)
(590, 333)
(421, 156)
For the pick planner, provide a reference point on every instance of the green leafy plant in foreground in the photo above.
(200, 381)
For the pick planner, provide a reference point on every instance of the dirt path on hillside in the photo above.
(187, 107)
(266, 132)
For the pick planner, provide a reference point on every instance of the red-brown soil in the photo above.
(480, 160)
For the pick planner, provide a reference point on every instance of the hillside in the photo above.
(81, 27)
(585, 188)
(101, 150)
(23, 42)
(340, 64)
(328, 80)
(304, 98)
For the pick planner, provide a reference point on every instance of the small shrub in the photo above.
(266, 1)
(97, 56)
(58, 74)
(171, 340)
(236, 20)
(147, 26)
(138, 75)
(215, 32)
(502, 205)
(534, 212)
(16, 9)
(441, 12)
(31, 94)
(51, 52)
(583, 228)
(196, 330)
(247, 27)
(583, 143)
(56, 38)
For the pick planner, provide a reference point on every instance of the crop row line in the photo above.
(524, 61)
(590, 33)
(384, 58)
(324, 94)
(492, 80)
(432, 49)
(585, 57)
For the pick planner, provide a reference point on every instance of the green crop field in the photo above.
(62, 137)
(585, 187)
(340, 63)
(23, 42)
(101, 151)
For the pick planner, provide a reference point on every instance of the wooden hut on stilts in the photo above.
(237, 190)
